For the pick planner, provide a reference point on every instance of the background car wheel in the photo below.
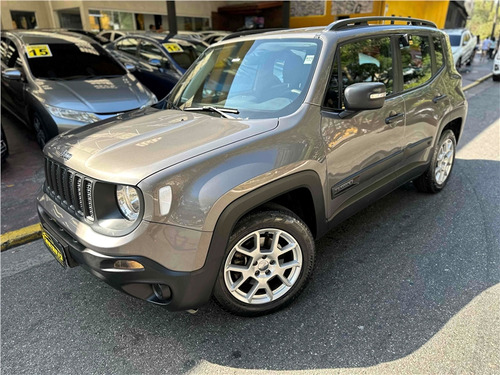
(438, 173)
(496, 78)
(40, 130)
(268, 262)
(459, 63)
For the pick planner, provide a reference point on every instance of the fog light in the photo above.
(128, 265)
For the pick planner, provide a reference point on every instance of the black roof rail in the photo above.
(237, 34)
(363, 21)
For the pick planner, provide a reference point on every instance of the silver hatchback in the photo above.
(59, 81)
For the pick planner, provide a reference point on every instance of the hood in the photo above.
(102, 96)
(128, 148)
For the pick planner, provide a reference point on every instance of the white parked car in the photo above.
(462, 46)
(496, 67)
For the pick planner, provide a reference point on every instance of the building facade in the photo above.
(106, 15)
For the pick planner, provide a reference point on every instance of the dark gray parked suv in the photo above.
(266, 143)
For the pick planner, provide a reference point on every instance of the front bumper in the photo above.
(176, 290)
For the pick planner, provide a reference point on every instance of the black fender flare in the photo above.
(250, 201)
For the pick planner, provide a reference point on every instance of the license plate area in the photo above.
(58, 248)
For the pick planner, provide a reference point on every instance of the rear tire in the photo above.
(496, 78)
(268, 262)
(438, 173)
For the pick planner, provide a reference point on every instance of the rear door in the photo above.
(367, 147)
(424, 89)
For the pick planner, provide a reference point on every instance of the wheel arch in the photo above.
(272, 192)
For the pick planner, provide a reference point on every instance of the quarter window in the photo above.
(368, 60)
(438, 52)
(416, 60)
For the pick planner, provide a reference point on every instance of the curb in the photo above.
(477, 82)
(20, 236)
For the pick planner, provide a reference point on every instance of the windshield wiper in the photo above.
(221, 111)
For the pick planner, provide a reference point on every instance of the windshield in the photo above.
(260, 78)
(455, 40)
(79, 60)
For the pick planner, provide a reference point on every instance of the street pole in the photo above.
(286, 14)
(172, 20)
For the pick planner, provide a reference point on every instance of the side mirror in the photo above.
(12, 73)
(365, 95)
(155, 62)
(130, 67)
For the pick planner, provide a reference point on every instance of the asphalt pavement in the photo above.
(408, 285)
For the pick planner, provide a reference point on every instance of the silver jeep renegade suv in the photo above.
(267, 142)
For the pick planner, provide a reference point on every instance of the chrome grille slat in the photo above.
(72, 191)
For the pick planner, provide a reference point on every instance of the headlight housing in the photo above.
(71, 114)
(129, 202)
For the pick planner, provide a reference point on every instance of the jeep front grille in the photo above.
(72, 191)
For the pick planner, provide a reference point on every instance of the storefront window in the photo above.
(111, 20)
(193, 23)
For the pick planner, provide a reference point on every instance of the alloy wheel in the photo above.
(444, 161)
(263, 266)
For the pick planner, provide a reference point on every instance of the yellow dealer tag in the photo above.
(173, 47)
(38, 50)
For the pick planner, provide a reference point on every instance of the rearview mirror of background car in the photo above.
(12, 73)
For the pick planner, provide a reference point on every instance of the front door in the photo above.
(367, 147)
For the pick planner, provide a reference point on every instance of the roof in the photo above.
(37, 36)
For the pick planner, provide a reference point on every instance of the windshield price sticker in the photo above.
(38, 50)
(173, 47)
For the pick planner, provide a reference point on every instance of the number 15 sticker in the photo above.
(38, 50)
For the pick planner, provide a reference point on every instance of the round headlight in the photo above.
(128, 201)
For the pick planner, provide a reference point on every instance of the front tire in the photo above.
(438, 173)
(268, 262)
(41, 133)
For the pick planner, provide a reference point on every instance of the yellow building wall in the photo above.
(434, 11)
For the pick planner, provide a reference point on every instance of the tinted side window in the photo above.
(10, 55)
(368, 60)
(3, 49)
(438, 52)
(149, 51)
(128, 45)
(416, 60)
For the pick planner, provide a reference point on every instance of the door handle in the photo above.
(393, 117)
(438, 98)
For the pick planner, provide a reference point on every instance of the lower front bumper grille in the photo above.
(70, 189)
